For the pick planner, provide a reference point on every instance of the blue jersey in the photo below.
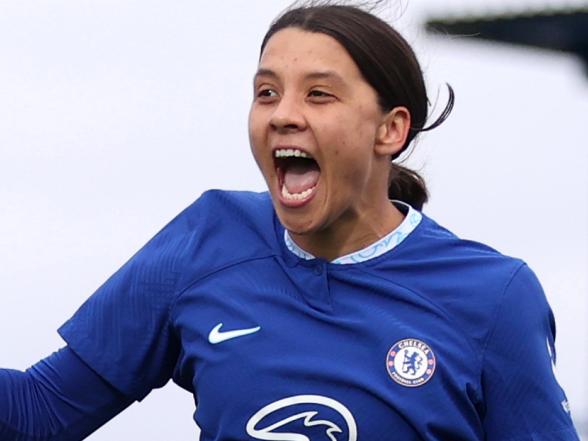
(422, 336)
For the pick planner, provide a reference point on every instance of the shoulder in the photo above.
(465, 280)
(447, 259)
(218, 229)
(221, 212)
(222, 228)
(232, 207)
(230, 218)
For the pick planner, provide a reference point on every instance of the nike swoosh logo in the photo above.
(216, 336)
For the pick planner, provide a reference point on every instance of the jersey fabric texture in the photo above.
(437, 339)
(58, 399)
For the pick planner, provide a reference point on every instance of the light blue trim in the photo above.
(383, 245)
(295, 248)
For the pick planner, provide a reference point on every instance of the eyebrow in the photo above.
(314, 75)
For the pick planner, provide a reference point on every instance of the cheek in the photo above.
(350, 166)
(350, 159)
(351, 143)
(356, 126)
(256, 135)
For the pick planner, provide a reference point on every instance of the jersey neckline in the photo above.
(387, 243)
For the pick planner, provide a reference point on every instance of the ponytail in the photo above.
(407, 186)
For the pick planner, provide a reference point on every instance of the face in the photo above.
(314, 127)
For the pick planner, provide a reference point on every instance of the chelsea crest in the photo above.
(410, 362)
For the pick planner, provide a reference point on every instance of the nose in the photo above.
(288, 116)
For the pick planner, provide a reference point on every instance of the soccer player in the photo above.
(329, 308)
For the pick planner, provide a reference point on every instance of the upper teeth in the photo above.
(288, 153)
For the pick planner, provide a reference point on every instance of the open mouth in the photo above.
(298, 174)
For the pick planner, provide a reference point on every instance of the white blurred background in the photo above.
(115, 115)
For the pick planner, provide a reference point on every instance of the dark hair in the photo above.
(388, 64)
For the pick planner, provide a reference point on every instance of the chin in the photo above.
(296, 223)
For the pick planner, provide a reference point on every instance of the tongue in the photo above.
(300, 177)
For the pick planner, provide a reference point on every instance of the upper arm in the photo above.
(123, 331)
(522, 399)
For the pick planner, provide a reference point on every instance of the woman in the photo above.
(320, 310)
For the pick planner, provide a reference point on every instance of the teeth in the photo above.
(289, 153)
(296, 196)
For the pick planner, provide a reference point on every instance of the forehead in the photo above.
(294, 50)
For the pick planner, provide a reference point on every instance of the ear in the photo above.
(392, 132)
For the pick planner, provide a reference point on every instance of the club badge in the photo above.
(410, 362)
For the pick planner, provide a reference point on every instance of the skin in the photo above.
(310, 94)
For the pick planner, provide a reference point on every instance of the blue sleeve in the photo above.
(523, 400)
(58, 399)
(123, 331)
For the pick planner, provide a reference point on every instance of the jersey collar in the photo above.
(390, 241)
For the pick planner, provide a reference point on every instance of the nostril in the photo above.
(288, 126)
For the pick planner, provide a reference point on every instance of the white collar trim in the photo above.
(383, 245)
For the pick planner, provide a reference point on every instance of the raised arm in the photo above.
(120, 346)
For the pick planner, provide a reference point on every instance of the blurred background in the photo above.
(115, 115)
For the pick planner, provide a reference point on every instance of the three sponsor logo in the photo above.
(344, 428)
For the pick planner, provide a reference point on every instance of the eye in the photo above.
(266, 93)
(319, 96)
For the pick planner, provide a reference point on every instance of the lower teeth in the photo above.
(296, 196)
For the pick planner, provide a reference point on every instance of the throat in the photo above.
(349, 235)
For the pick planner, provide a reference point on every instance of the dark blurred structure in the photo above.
(563, 30)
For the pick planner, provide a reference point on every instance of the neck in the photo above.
(352, 232)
